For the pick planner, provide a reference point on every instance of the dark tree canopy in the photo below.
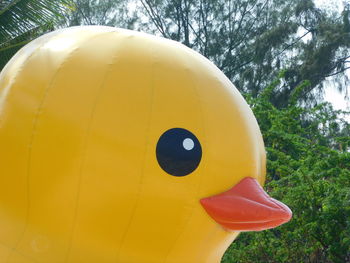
(96, 12)
(252, 40)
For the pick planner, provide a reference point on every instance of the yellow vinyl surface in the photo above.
(81, 112)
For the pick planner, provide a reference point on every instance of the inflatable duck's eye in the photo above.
(178, 152)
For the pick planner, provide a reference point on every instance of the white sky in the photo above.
(330, 4)
(331, 94)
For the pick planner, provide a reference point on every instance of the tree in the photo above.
(252, 40)
(96, 12)
(325, 55)
(309, 170)
(23, 20)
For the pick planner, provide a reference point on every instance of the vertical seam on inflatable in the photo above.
(11, 249)
(2, 100)
(29, 155)
(143, 162)
(85, 146)
(205, 146)
(205, 141)
(200, 104)
(215, 230)
(35, 124)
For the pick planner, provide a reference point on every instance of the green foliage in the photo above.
(308, 169)
(252, 40)
(97, 12)
(23, 20)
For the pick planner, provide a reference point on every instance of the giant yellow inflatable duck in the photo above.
(118, 146)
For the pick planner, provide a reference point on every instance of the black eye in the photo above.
(178, 152)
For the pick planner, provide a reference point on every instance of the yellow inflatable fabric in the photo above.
(118, 146)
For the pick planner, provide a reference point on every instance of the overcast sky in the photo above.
(331, 94)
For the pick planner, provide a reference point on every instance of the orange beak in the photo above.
(246, 207)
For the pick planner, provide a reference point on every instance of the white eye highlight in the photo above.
(188, 144)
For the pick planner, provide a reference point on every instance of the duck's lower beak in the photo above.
(246, 207)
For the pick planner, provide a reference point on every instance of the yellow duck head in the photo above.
(118, 146)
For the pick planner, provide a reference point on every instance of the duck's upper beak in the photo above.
(246, 207)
